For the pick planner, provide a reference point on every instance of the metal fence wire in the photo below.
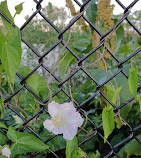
(132, 131)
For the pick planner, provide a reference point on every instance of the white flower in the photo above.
(6, 152)
(65, 120)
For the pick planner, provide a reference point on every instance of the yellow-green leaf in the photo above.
(71, 147)
(19, 8)
(108, 121)
(2, 125)
(65, 62)
(139, 100)
(10, 45)
(5, 11)
(133, 81)
(118, 122)
(112, 94)
(11, 53)
(2, 107)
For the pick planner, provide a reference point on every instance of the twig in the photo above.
(19, 98)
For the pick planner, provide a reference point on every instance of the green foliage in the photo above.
(19, 8)
(122, 81)
(133, 81)
(131, 148)
(108, 121)
(18, 121)
(35, 82)
(2, 125)
(66, 59)
(10, 48)
(83, 45)
(80, 154)
(138, 41)
(125, 49)
(119, 38)
(2, 107)
(81, 89)
(10, 45)
(91, 12)
(5, 11)
(118, 122)
(1, 156)
(113, 94)
(3, 139)
(23, 142)
(93, 155)
(72, 149)
(139, 100)
(56, 143)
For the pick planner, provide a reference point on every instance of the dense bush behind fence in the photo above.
(80, 61)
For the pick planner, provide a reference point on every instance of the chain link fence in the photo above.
(111, 149)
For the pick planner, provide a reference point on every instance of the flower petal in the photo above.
(6, 151)
(53, 108)
(65, 119)
(77, 119)
(48, 124)
(67, 108)
(69, 133)
(57, 131)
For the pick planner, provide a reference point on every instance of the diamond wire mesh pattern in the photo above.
(120, 66)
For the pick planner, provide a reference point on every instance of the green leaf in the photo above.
(133, 81)
(131, 148)
(139, 100)
(125, 49)
(3, 139)
(81, 154)
(112, 94)
(91, 12)
(10, 45)
(108, 121)
(66, 60)
(119, 38)
(2, 107)
(11, 52)
(122, 81)
(24, 142)
(5, 11)
(2, 125)
(19, 8)
(118, 122)
(80, 48)
(57, 143)
(1, 156)
(2, 36)
(71, 147)
(35, 82)
(18, 121)
(93, 155)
